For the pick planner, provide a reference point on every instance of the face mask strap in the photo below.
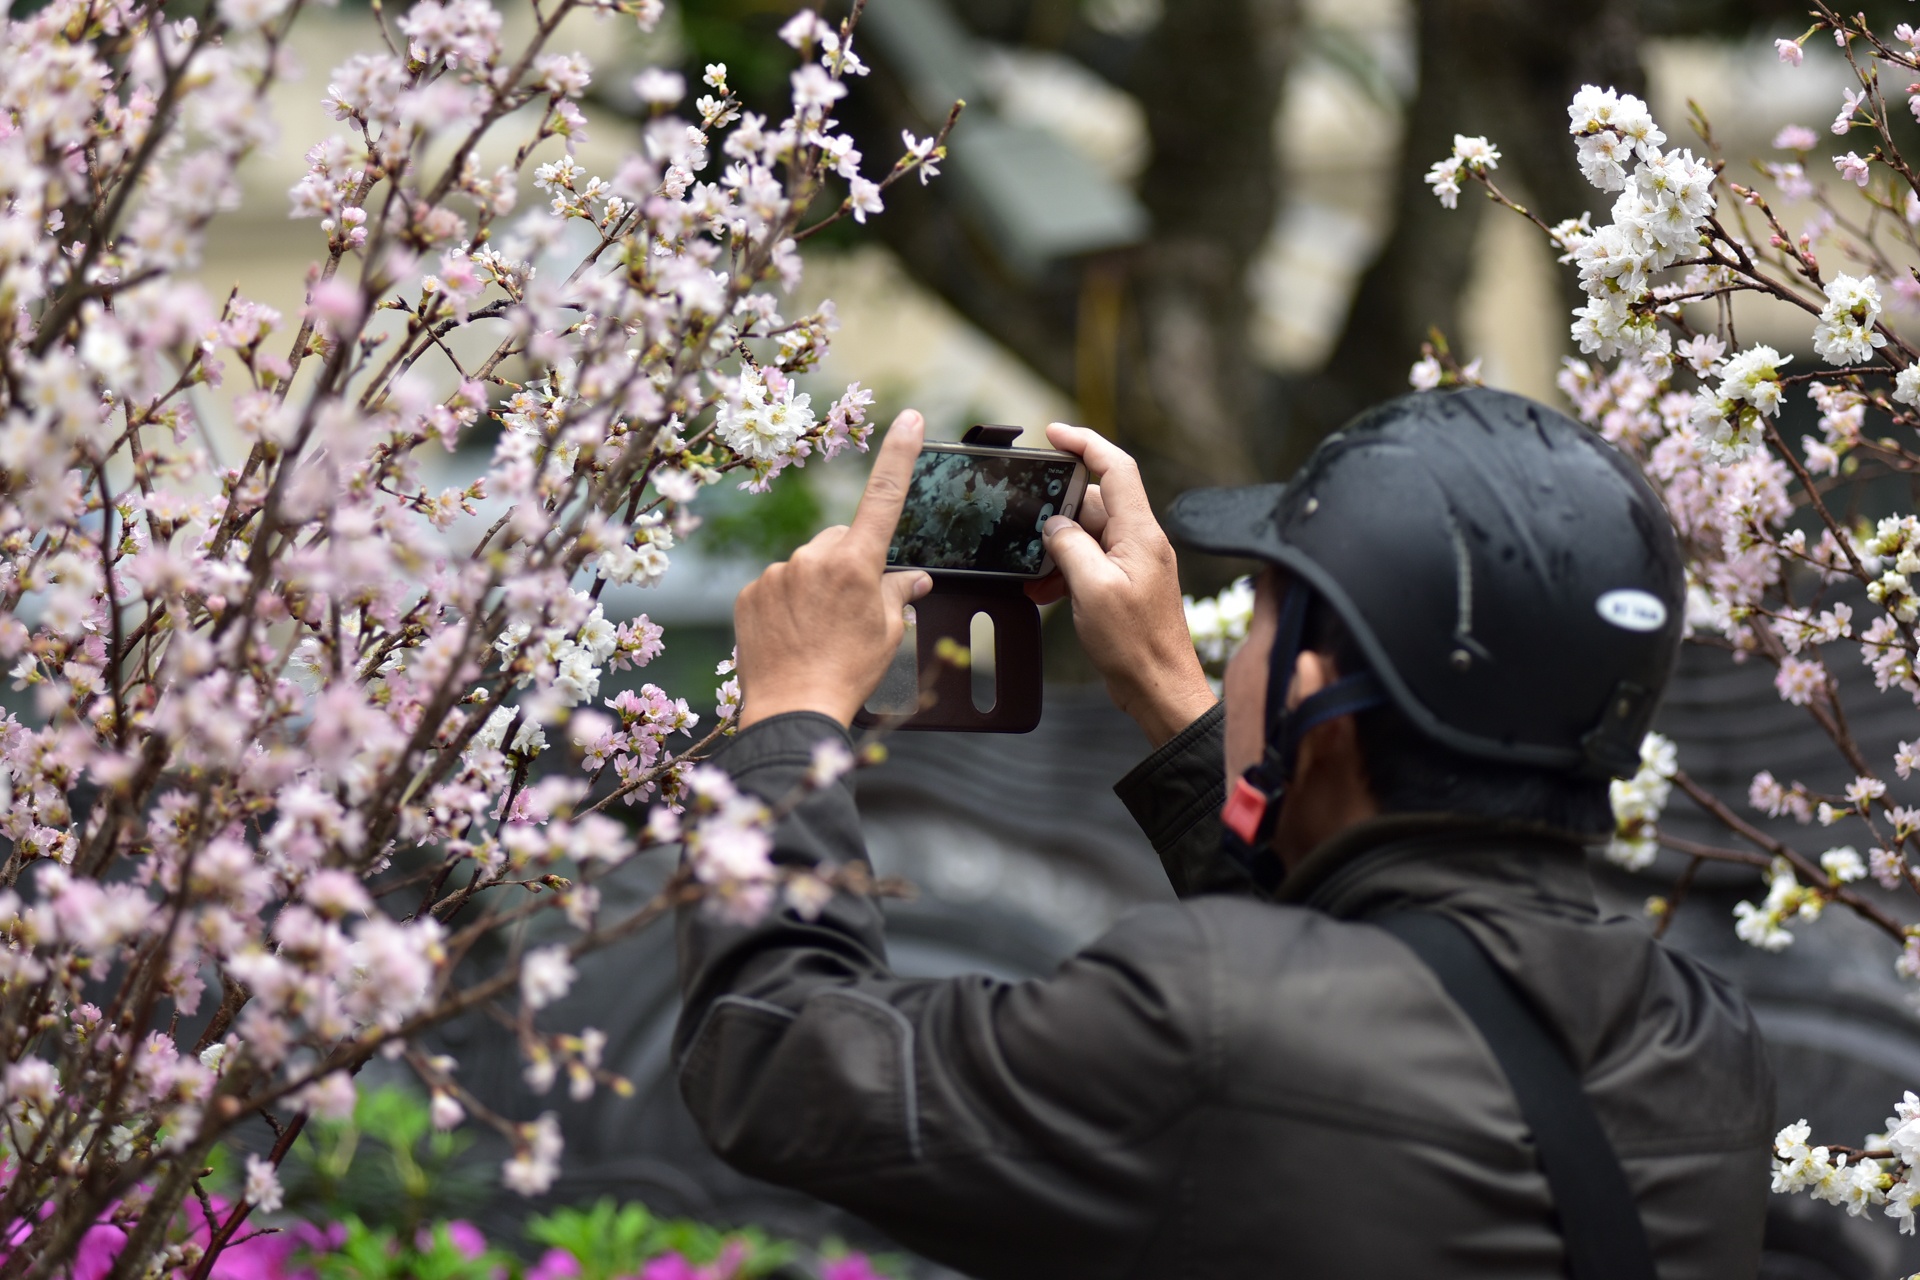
(1254, 800)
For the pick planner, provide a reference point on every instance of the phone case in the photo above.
(925, 691)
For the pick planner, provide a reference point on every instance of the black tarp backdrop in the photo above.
(1022, 854)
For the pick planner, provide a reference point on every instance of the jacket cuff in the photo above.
(780, 743)
(1175, 795)
(771, 760)
(1181, 782)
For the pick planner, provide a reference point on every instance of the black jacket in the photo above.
(1226, 1087)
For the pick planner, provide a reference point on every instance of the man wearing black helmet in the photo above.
(1387, 1033)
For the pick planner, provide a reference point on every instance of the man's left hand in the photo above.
(1120, 570)
(816, 632)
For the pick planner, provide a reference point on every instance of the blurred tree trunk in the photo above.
(1151, 342)
(1189, 395)
(1506, 69)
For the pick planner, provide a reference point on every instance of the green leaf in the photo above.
(386, 1166)
(697, 1242)
(397, 1117)
(443, 1260)
(607, 1240)
(367, 1254)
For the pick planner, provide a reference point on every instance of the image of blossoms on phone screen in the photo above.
(979, 512)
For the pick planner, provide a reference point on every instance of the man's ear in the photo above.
(1312, 672)
(1335, 744)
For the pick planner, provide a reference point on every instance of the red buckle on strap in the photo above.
(1246, 806)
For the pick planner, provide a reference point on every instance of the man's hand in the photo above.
(816, 633)
(1119, 570)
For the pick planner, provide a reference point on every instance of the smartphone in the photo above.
(976, 509)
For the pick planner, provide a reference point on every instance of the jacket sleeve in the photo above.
(1175, 795)
(1007, 1129)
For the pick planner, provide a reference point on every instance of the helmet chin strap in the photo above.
(1253, 802)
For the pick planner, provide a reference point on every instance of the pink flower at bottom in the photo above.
(98, 1248)
(554, 1264)
(670, 1266)
(854, 1266)
(318, 1239)
(260, 1258)
(466, 1238)
(263, 1257)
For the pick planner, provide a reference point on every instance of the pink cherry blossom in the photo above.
(1853, 169)
(260, 689)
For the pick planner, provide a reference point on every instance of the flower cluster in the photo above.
(731, 850)
(1894, 549)
(1846, 333)
(1470, 155)
(1787, 900)
(1219, 623)
(1638, 803)
(1730, 417)
(1843, 1179)
(1657, 217)
(1843, 411)
(1881, 1174)
(288, 713)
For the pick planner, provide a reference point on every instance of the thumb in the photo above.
(1077, 555)
(901, 589)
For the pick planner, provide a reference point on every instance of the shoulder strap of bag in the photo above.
(1599, 1222)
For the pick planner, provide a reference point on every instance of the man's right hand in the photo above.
(1118, 568)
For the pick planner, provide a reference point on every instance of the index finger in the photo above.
(1122, 494)
(886, 493)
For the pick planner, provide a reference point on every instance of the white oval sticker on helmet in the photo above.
(1632, 609)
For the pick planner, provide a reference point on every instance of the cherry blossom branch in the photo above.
(905, 165)
(1809, 872)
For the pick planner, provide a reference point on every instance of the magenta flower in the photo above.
(98, 1249)
(554, 1264)
(263, 1257)
(671, 1266)
(854, 1266)
(468, 1239)
(260, 1258)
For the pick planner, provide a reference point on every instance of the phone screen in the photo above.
(979, 511)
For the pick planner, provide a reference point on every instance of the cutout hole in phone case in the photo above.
(898, 693)
(981, 661)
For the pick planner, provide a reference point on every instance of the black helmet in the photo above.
(1512, 580)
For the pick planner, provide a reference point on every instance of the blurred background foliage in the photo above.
(1198, 227)
(386, 1166)
(1287, 260)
